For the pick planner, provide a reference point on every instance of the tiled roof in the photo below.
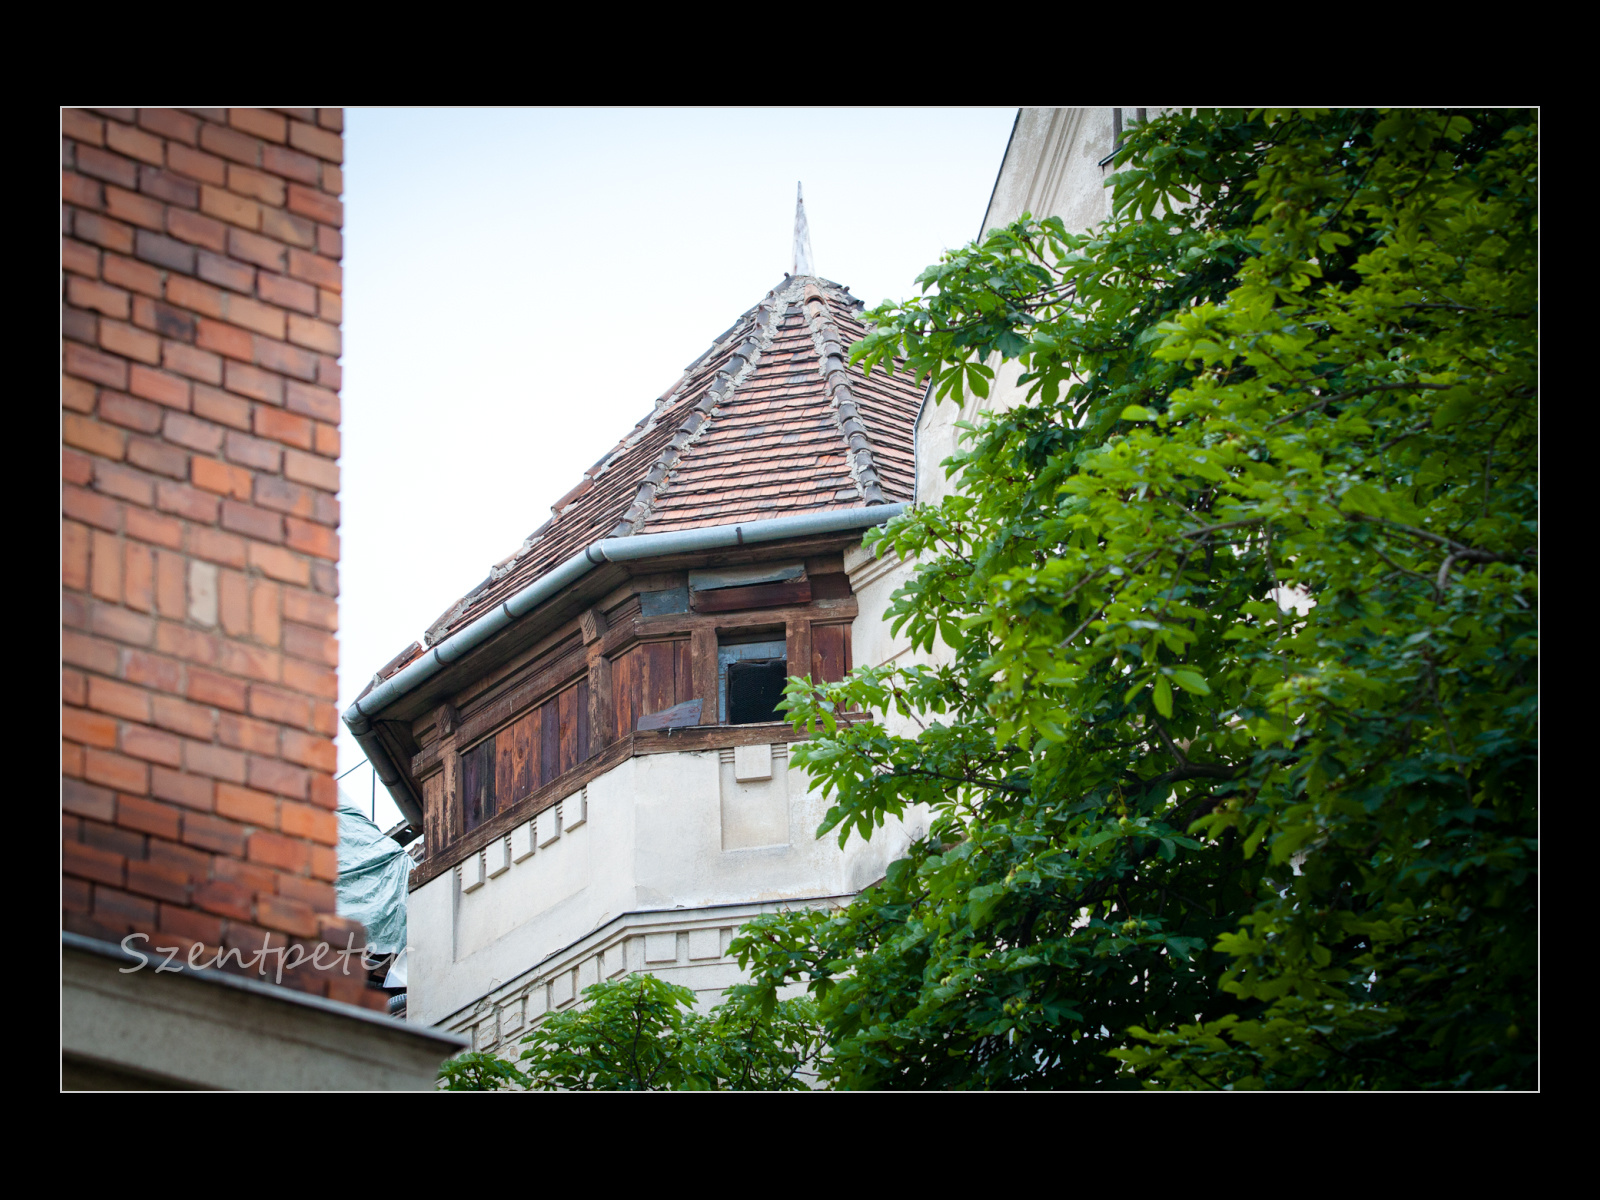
(772, 420)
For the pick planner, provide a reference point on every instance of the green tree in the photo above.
(641, 1033)
(1233, 769)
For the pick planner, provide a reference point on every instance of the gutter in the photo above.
(359, 716)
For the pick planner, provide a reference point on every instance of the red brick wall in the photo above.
(200, 430)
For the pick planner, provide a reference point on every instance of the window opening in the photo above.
(745, 675)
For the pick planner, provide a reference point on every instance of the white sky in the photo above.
(520, 285)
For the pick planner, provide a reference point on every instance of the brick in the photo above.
(107, 441)
(74, 555)
(321, 142)
(252, 662)
(280, 564)
(76, 468)
(164, 251)
(132, 274)
(171, 586)
(77, 394)
(274, 704)
(285, 497)
(322, 897)
(287, 228)
(259, 122)
(191, 645)
(310, 678)
(310, 538)
(284, 427)
(253, 452)
(278, 289)
(249, 875)
(85, 506)
(197, 435)
(130, 342)
(115, 771)
(292, 916)
(80, 191)
(122, 625)
(213, 545)
(290, 163)
(165, 185)
(135, 143)
(158, 457)
(217, 405)
(153, 817)
(330, 306)
(104, 232)
(89, 729)
(192, 862)
(317, 402)
(185, 924)
(170, 123)
(225, 272)
(118, 699)
(75, 896)
(158, 881)
(258, 185)
(331, 118)
(318, 753)
(85, 800)
(120, 910)
(82, 259)
(191, 361)
(324, 788)
(79, 326)
(82, 127)
(152, 671)
(197, 230)
(191, 720)
(129, 413)
(233, 604)
(108, 837)
(246, 805)
(230, 207)
(105, 567)
(138, 577)
(74, 610)
(213, 833)
(253, 248)
(186, 502)
(285, 359)
(165, 319)
(332, 179)
(92, 654)
(255, 383)
(330, 242)
(125, 483)
(223, 478)
(197, 164)
(152, 745)
(210, 688)
(87, 862)
(227, 340)
(231, 144)
(255, 316)
(74, 687)
(274, 775)
(145, 211)
(87, 293)
(264, 607)
(308, 469)
(323, 272)
(226, 899)
(315, 204)
(288, 854)
(324, 863)
(160, 386)
(219, 762)
(100, 368)
(71, 761)
(112, 168)
(200, 297)
(325, 578)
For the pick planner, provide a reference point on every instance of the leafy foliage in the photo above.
(1232, 757)
(642, 1033)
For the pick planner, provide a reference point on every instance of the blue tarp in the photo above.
(373, 870)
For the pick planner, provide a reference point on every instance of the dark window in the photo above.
(755, 686)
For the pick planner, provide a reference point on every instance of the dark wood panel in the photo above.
(682, 671)
(477, 785)
(830, 587)
(584, 748)
(761, 595)
(829, 652)
(660, 681)
(567, 715)
(505, 765)
(525, 755)
(622, 693)
(549, 741)
(600, 704)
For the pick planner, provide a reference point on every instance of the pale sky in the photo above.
(521, 284)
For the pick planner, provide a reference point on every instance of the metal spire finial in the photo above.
(802, 236)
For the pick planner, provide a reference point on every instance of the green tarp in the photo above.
(372, 881)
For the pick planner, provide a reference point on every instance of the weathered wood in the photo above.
(797, 639)
(703, 659)
(829, 655)
(713, 737)
(524, 739)
(763, 595)
(433, 810)
(581, 692)
(549, 741)
(600, 704)
(622, 714)
(679, 716)
(834, 586)
(592, 624)
(477, 785)
(822, 610)
(567, 715)
(738, 577)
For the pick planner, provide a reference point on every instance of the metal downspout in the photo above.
(359, 716)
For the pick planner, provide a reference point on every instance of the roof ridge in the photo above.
(841, 400)
(758, 327)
